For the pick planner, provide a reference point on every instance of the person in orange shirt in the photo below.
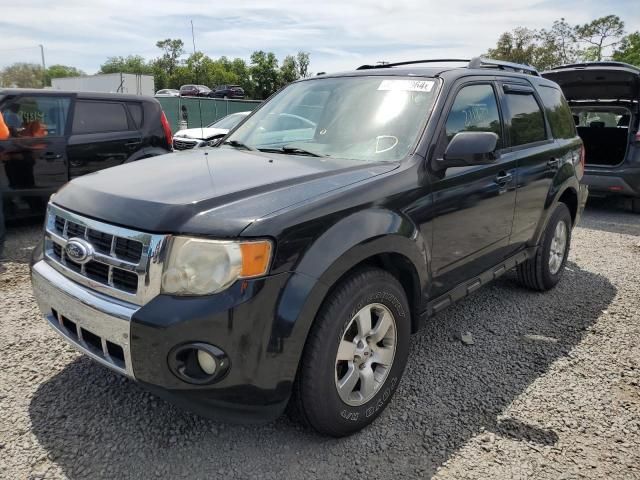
(4, 130)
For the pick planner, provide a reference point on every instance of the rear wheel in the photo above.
(543, 271)
(355, 354)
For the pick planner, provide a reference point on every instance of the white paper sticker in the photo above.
(407, 85)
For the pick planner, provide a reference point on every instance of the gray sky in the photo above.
(339, 35)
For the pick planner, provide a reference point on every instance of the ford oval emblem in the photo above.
(78, 250)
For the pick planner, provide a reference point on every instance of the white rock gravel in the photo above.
(550, 389)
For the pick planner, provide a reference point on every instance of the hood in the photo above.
(212, 191)
(201, 133)
(597, 81)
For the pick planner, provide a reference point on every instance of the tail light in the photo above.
(167, 130)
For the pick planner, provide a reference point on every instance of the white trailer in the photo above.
(107, 83)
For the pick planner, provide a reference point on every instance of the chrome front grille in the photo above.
(180, 144)
(123, 263)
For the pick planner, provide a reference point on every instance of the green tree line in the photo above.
(603, 38)
(260, 77)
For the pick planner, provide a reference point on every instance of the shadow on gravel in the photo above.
(610, 215)
(94, 424)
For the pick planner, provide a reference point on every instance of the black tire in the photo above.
(635, 205)
(316, 400)
(536, 273)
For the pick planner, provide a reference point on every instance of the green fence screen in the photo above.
(200, 112)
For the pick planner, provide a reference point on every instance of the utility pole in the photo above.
(193, 38)
(44, 67)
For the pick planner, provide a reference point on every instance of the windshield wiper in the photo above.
(237, 144)
(292, 151)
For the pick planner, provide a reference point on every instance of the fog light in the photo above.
(198, 363)
(207, 362)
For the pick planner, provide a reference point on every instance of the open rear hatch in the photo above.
(597, 81)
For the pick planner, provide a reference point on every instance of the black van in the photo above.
(604, 100)
(55, 136)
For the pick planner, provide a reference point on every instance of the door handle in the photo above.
(554, 162)
(503, 178)
(51, 156)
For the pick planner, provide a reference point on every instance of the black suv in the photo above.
(228, 91)
(290, 264)
(605, 98)
(55, 136)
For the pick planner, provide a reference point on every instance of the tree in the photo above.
(629, 50)
(131, 64)
(518, 46)
(264, 73)
(22, 75)
(600, 34)
(288, 70)
(61, 71)
(302, 62)
(560, 42)
(172, 49)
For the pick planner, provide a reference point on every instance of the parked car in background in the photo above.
(273, 272)
(168, 92)
(194, 91)
(56, 136)
(604, 98)
(228, 91)
(205, 136)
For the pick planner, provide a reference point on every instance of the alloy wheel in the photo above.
(365, 354)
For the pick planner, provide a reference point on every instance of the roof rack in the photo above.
(481, 62)
(477, 62)
(411, 62)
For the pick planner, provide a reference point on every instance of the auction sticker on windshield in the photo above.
(407, 85)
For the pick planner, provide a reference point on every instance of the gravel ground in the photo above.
(550, 388)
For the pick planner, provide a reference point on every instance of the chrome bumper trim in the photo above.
(102, 316)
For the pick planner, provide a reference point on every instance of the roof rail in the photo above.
(481, 62)
(411, 62)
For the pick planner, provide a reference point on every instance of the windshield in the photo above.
(366, 119)
(229, 121)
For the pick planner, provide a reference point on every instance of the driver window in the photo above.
(475, 109)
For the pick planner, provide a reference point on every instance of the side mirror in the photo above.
(470, 148)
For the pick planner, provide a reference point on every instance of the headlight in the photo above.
(199, 266)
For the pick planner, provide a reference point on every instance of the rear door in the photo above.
(33, 159)
(103, 135)
(473, 206)
(531, 145)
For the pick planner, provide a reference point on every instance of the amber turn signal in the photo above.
(255, 258)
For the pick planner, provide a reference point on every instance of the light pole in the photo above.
(44, 67)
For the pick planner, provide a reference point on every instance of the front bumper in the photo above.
(618, 181)
(136, 341)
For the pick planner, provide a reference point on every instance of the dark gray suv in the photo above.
(604, 100)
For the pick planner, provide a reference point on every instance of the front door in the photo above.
(474, 205)
(33, 158)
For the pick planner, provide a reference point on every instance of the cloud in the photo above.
(338, 34)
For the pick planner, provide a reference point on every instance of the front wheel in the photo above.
(543, 271)
(355, 354)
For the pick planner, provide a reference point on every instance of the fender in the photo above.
(347, 243)
(565, 180)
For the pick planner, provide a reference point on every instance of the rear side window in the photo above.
(135, 109)
(99, 117)
(558, 112)
(475, 109)
(36, 116)
(525, 118)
